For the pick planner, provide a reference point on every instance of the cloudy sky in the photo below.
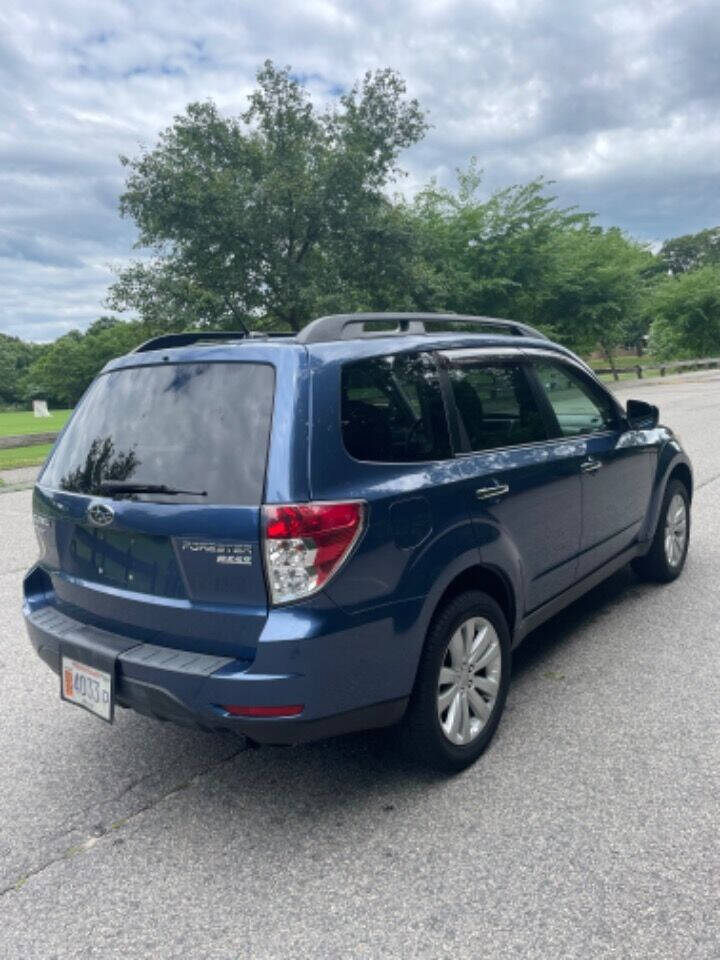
(617, 102)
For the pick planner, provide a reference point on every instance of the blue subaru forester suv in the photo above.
(298, 536)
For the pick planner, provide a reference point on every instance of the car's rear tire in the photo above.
(666, 557)
(461, 684)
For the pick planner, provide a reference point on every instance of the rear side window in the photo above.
(392, 410)
(197, 427)
(496, 405)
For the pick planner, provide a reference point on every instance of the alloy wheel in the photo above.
(675, 530)
(469, 680)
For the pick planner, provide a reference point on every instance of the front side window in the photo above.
(392, 410)
(579, 408)
(495, 404)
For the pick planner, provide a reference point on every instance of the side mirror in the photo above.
(641, 415)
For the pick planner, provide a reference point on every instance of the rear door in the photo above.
(616, 466)
(181, 569)
(522, 486)
(393, 451)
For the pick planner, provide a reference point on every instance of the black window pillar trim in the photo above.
(552, 424)
(459, 441)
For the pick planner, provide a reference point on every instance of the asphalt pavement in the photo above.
(590, 828)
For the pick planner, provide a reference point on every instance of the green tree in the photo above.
(66, 367)
(494, 257)
(595, 295)
(15, 359)
(269, 214)
(687, 315)
(692, 251)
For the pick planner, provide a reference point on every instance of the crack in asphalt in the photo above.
(61, 829)
(102, 831)
(699, 486)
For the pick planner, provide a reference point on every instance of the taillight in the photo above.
(306, 543)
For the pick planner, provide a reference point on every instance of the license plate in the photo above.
(87, 687)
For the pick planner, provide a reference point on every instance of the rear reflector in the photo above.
(306, 544)
(290, 711)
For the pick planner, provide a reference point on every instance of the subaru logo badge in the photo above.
(100, 514)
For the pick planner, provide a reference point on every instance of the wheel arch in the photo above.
(682, 472)
(673, 465)
(487, 579)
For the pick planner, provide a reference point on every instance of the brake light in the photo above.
(306, 544)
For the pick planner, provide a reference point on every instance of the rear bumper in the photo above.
(190, 688)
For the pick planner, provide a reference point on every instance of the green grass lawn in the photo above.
(16, 422)
(24, 456)
(22, 421)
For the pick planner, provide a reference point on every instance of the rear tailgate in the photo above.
(179, 570)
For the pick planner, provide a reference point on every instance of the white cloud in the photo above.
(617, 102)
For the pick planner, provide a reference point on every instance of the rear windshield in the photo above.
(190, 426)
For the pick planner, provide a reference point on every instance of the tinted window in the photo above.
(496, 405)
(392, 410)
(200, 426)
(578, 406)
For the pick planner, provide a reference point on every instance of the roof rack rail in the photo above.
(338, 326)
(188, 337)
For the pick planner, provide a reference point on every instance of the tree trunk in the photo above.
(611, 360)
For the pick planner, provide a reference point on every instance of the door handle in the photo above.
(496, 490)
(590, 466)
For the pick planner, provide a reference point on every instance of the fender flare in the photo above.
(470, 560)
(671, 456)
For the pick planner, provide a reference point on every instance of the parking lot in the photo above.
(589, 829)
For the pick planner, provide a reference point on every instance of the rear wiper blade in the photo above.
(119, 487)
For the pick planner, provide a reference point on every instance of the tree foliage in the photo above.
(595, 294)
(493, 256)
(517, 254)
(65, 368)
(16, 356)
(267, 214)
(692, 251)
(687, 312)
